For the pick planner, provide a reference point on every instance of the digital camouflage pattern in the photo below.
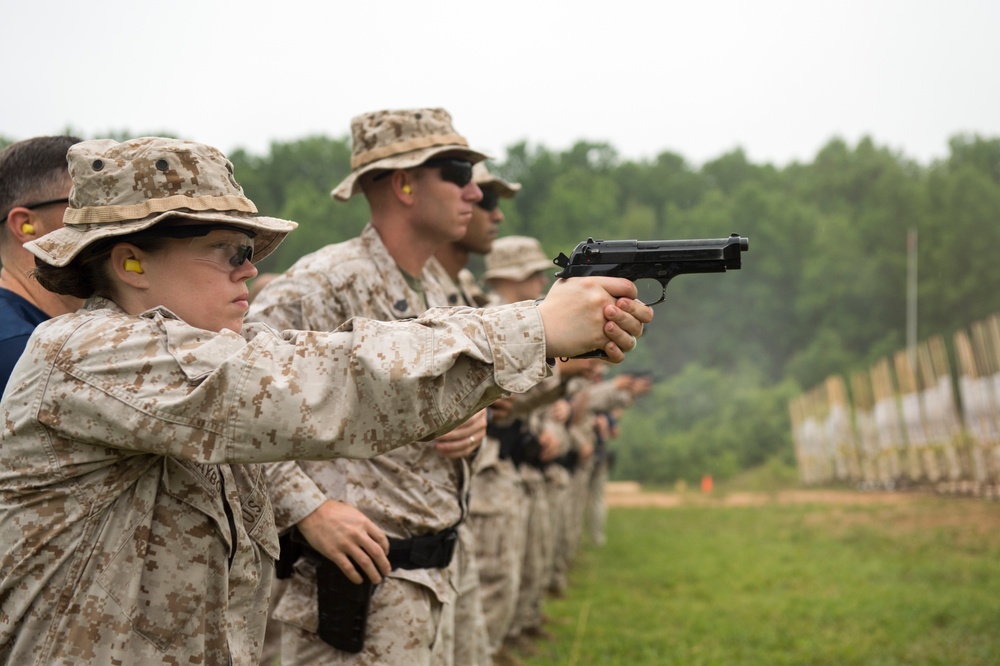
(532, 533)
(134, 528)
(481, 176)
(413, 491)
(486, 585)
(516, 258)
(416, 619)
(121, 188)
(589, 399)
(466, 291)
(400, 139)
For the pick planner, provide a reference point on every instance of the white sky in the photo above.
(695, 77)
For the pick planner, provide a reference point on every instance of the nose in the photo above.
(245, 271)
(472, 192)
(496, 215)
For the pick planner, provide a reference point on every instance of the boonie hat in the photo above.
(122, 188)
(515, 258)
(400, 139)
(481, 176)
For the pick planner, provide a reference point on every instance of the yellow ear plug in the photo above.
(406, 189)
(27, 228)
(132, 266)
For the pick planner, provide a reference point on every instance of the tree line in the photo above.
(822, 289)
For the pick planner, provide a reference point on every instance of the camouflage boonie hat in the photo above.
(516, 258)
(400, 140)
(122, 188)
(482, 177)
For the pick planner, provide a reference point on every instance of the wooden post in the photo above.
(912, 415)
(888, 424)
(864, 420)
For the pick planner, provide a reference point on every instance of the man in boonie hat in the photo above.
(517, 258)
(496, 509)
(451, 259)
(518, 269)
(401, 139)
(416, 171)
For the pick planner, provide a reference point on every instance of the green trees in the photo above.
(294, 182)
(822, 288)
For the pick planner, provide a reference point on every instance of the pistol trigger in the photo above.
(663, 295)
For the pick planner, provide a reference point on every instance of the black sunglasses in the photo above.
(45, 203)
(38, 205)
(490, 200)
(453, 170)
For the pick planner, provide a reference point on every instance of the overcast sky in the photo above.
(695, 77)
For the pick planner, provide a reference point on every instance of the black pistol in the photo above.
(660, 260)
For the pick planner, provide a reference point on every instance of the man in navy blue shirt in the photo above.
(34, 192)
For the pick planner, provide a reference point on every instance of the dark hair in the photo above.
(29, 170)
(87, 275)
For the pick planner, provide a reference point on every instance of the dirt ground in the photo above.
(631, 494)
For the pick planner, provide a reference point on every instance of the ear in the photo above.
(402, 186)
(126, 252)
(16, 220)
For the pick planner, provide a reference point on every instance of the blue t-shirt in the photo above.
(18, 318)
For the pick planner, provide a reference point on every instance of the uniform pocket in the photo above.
(161, 573)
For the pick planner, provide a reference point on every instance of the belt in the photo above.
(429, 551)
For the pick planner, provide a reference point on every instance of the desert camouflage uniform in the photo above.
(591, 399)
(415, 491)
(532, 534)
(496, 508)
(471, 637)
(134, 528)
(604, 397)
(541, 485)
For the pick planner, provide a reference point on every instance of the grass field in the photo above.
(908, 581)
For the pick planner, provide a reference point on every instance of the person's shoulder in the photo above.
(18, 317)
(331, 264)
(89, 326)
(107, 342)
(69, 339)
(318, 291)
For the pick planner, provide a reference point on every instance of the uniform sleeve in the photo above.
(605, 396)
(294, 494)
(154, 384)
(539, 396)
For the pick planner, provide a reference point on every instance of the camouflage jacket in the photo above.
(590, 399)
(413, 491)
(463, 291)
(134, 527)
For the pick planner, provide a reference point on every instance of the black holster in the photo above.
(517, 443)
(342, 604)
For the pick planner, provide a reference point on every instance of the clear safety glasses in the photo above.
(225, 245)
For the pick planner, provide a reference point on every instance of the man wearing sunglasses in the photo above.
(34, 193)
(451, 259)
(415, 171)
(496, 508)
